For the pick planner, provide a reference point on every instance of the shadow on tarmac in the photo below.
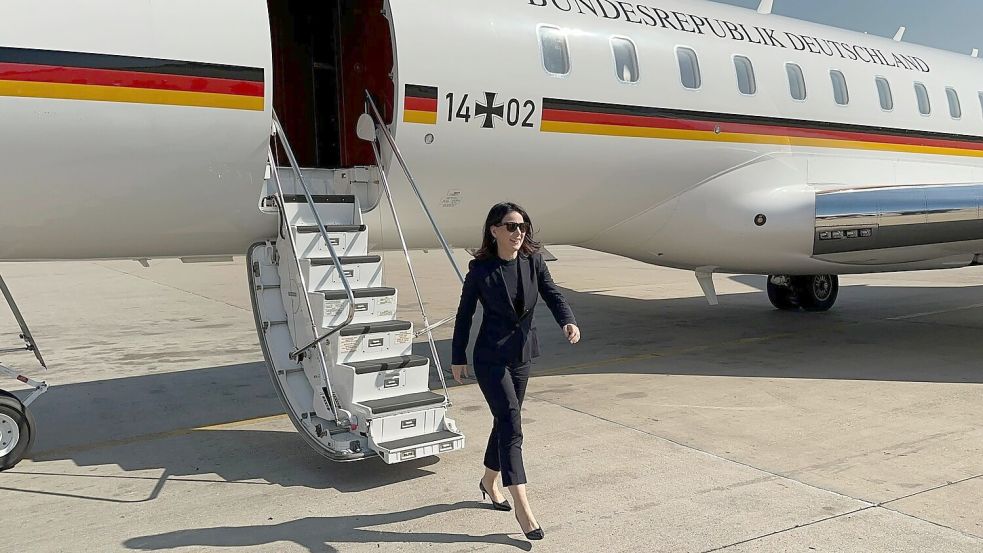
(315, 533)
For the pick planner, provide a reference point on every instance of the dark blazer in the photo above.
(505, 337)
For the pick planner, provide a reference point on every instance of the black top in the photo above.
(507, 335)
(513, 284)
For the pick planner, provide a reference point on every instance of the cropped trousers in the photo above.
(504, 388)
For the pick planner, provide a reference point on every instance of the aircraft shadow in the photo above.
(317, 534)
(865, 337)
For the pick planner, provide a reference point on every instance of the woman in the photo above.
(507, 276)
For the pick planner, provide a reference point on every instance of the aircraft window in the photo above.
(745, 75)
(796, 81)
(924, 102)
(689, 68)
(625, 59)
(840, 91)
(884, 91)
(556, 57)
(955, 108)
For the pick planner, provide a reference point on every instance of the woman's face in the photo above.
(510, 240)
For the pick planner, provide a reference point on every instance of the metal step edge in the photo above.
(433, 402)
(345, 260)
(359, 329)
(312, 229)
(422, 440)
(359, 293)
(319, 199)
(405, 362)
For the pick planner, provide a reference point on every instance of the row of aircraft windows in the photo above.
(556, 60)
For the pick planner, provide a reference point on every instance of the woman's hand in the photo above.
(460, 372)
(573, 333)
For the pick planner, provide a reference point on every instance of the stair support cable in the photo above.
(381, 126)
(409, 265)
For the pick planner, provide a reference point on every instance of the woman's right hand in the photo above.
(460, 372)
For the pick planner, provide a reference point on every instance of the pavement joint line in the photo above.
(172, 287)
(796, 527)
(930, 313)
(867, 504)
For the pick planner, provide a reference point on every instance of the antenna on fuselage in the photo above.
(900, 34)
(765, 6)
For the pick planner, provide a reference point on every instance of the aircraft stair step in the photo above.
(365, 342)
(362, 271)
(333, 210)
(348, 240)
(415, 447)
(402, 403)
(390, 364)
(371, 305)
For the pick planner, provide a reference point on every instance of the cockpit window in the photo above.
(556, 57)
(689, 68)
(625, 59)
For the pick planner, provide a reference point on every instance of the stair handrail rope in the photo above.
(380, 124)
(328, 388)
(409, 265)
(324, 236)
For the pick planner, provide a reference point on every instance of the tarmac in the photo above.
(673, 426)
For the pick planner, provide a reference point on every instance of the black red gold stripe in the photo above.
(420, 104)
(569, 116)
(109, 78)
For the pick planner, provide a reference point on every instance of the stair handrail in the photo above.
(409, 265)
(380, 124)
(282, 136)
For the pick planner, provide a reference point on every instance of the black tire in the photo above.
(782, 297)
(11, 409)
(817, 292)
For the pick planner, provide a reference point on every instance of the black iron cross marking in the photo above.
(489, 110)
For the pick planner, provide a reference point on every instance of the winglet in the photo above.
(765, 6)
(898, 36)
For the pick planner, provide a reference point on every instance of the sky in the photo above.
(947, 24)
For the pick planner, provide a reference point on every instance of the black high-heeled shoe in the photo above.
(503, 506)
(532, 535)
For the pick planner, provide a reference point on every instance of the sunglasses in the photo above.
(512, 227)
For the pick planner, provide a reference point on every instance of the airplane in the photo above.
(686, 134)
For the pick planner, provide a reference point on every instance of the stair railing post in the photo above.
(409, 265)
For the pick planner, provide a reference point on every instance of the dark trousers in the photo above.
(504, 388)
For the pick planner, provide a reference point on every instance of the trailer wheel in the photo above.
(16, 431)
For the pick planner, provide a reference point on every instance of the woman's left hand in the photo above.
(572, 332)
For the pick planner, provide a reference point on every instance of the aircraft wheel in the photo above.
(817, 292)
(16, 431)
(781, 294)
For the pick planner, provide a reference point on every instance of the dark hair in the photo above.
(498, 212)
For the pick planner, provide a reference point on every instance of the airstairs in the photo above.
(340, 360)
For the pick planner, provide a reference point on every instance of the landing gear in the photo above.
(811, 292)
(16, 430)
(17, 426)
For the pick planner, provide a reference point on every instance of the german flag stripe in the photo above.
(566, 116)
(127, 63)
(420, 104)
(109, 78)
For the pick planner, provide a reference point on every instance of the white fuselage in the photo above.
(97, 179)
